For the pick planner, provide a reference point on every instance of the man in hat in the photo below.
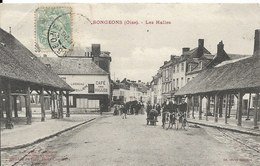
(167, 107)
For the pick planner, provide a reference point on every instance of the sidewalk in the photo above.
(23, 135)
(246, 128)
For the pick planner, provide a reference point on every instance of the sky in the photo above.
(138, 51)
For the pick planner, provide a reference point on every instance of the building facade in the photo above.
(88, 74)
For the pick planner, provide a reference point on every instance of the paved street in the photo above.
(117, 141)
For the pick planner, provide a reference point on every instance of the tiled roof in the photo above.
(17, 62)
(74, 66)
(242, 74)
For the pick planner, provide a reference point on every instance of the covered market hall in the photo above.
(239, 78)
(21, 74)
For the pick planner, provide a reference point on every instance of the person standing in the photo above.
(158, 109)
(148, 108)
(124, 111)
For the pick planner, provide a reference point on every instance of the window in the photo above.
(189, 68)
(91, 88)
(182, 66)
(188, 79)
(163, 75)
(177, 68)
(173, 83)
(177, 82)
(167, 74)
(182, 81)
(173, 69)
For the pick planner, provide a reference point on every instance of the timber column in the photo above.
(1, 101)
(67, 104)
(216, 107)
(8, 124)
(226, 109)
(28, 106)
(52, 100)
(239, 110)
(193, 103)
(42, 105)
(200, 107)
(15, 106)
(188, 106)
(207, 107)
(256, 111)
(60, 105)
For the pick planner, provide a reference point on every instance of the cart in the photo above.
(152, 117)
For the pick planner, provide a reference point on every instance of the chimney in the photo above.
(10, 30)
(201, 43)
(165, 62)
(172, 57)
(257, 43)
(185, 49)
(200, 48)
(139, 81)
(95, 50)
(220, 48)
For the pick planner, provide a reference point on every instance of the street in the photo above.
(117, 141)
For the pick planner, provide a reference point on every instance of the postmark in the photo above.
(53, 30)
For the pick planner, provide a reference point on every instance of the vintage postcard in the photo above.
(130, 84)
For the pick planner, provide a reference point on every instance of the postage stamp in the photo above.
(53, 30)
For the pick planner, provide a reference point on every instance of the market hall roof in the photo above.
(73, 66)
(18, 63)
(243, 74)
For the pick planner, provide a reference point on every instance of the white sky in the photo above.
(136, 53)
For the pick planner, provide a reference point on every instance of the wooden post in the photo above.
(188, 106)
(230, 105)
(207, 107)
(42, 105)
(67, 104)
(220, 106)
(193, 107)
(15, 107)
(52, 102)
(8, 124)
(226, 109)
(256, 110)
(200, 107)
(1, 99)
(216, 107)
(28, 106)
(56, 105)
(248, 107)
(1, 103)
(60, 105)
(239, 110)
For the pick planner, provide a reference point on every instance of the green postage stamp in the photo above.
(53, 31)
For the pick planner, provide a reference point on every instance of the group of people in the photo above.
(168, 106)
(132, 107)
